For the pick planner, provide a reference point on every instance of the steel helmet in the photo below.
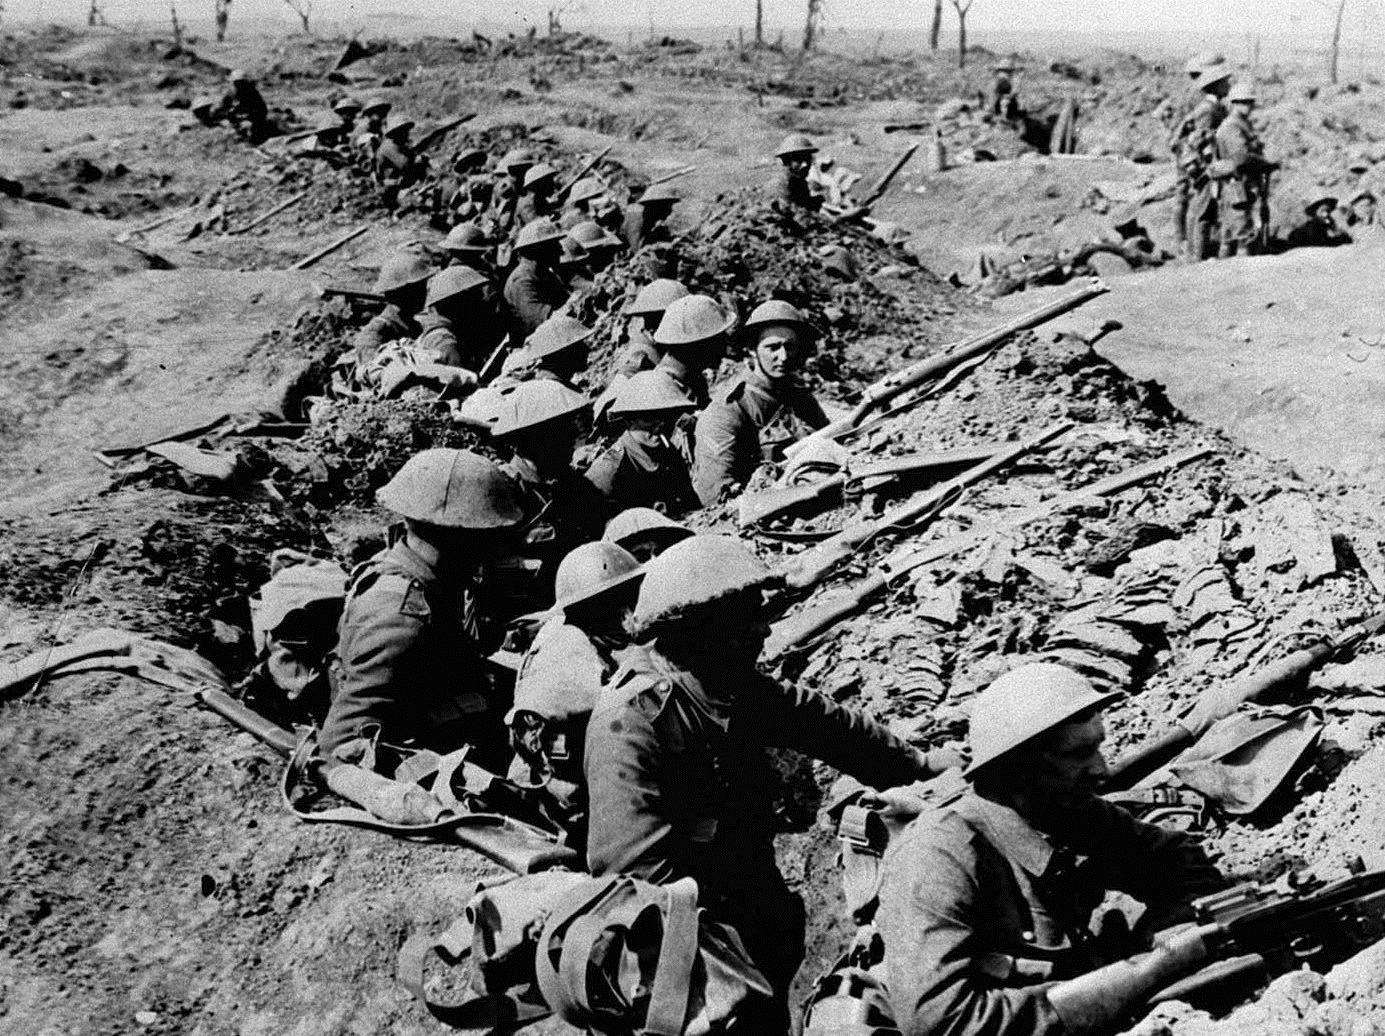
(591, 570)
(656, 296)
(346, 106)
(466, 237)
(1327, 200)
(538, 232)
(202, 103)
(1242, 91)
(376, 105)
(455, 489)
(535, 403)
(1213, 74)
(693, 318)
(698, 571)
(398, 125)
(560, 676)
(402, 271)
(449, 283)
(586, 189)
(650, 392)
(484, 407)
(541, 173)
(555, 334)
(644, 525)
(516, 159)
(660, 194)
(591, 236)
(237, 75)
(330, 122)
(776, 311)
(468, 158)
(795, 144)
(1024, 703)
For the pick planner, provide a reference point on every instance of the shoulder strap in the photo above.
(580, 900)
(668, 1002)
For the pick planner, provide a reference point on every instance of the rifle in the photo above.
(671, 176)
(1222, 701)
(893, 385)
(809, 622)
(438, 132)
(585, 168)
(813, 565)
(1257, 932)
(759, 507)
(354, 294)
(883, 184)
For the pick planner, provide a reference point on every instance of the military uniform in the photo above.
(1239, 146)
(752, 420)
(644, 470)
(533, 293)
(794, 192)
(389, 325)
(644, 226)
(1314, 234)
(246, 108)
(679, 786)
(978, 910)
(410, 656)
(468, 337)
(1194, 148)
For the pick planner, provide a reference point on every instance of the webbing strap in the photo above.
(573, 904)
(479, 1013)
(668, 1003)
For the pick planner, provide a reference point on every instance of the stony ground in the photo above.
(156, 882)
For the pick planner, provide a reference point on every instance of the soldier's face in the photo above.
(1365, 210)
(779, 352)
(1068, 761)
(798, 165)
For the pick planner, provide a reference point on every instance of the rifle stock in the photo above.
(758, 507)
(1221, 701)
(438, 132)
(789, 632)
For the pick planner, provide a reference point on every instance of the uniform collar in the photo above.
(1018, 840)
(637, 453)
(694, 691)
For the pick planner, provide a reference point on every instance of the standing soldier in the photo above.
(643, 468)
(1194, 148)
(761, 412)
(677, 777)
(534, 288)
(986, 903)
(247, 109)
(414, 633)
(1001, 100)
(1245, 188)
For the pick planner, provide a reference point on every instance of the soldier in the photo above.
(790, 189)
(644, 532)
(583, 201)
(677, 777)
(639, 353)
(470, 192)
(1001, 100)
(402, 282)
(509, 185)
(374, 111)
(536, 199)
(761, 412)
(206, 110)
(534, 289)
(1244, 199)
(558, 349)
(466, 245)
(643, 468)
(1194, 149)
(346, 108)
(247, 109)
(560, 677)
(693, 335)
(409, 662)
(646, 221)
(462, 323)
(598, 246)
(539, 424)
(1363, 215)
(325, 143)
(986, 902)
(396, 164)
(1320, 229)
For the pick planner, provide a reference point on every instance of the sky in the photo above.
(1175, 24)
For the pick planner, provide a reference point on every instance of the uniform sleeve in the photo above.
(717, 451)
(843, 738)
(376, 635)
(810, 411)
(603, 471)
(526, 301)
(1233, 145)
(928, 920)
(628, 831)
(1163, 869)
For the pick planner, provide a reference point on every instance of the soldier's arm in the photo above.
(719, 445)
(604, 471)
(380, 627)
(526, 301)
(935, 962)
(629, 831)
(843, 738)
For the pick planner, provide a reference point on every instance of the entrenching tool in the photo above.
(797, 629)
(760, 507)
(1224, 699)
(892, 386)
